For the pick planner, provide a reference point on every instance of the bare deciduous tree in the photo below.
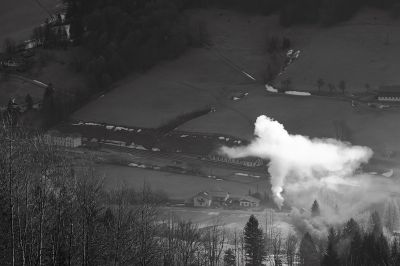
(291, 246)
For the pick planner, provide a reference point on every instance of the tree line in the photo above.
(352, 243)
(291, 12)
(54, 212)
(122, 36)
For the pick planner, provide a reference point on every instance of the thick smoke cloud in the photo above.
(298, 161)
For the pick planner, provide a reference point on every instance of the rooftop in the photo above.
(203, 194)
(389, 90)
(244, 198)
(249, 198)
(56, 133)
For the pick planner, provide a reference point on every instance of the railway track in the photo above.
(181, 157)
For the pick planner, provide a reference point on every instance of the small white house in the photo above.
(249, 201)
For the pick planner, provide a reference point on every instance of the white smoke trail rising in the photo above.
(297, 159)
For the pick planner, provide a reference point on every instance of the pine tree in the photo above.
(355, 256)
(229, 258)
(12, 111)
(308, 252)
(29, 101)
(49, 106)
(351, 228)
(395, 253)
(10, 105)
(342, 86)
(315, 209)
(331, 257)
(320, 83)
(382, 250)
(253, 243)
(376, 224)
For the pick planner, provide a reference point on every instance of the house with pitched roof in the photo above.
(210, 198)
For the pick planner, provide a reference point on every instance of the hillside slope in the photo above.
(200, 77)
(363, 52)
(18, 18)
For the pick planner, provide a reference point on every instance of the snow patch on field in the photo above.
(248, 175)
(121, 128)
(140, 147)
(271, 89)
(92, 124)
(298, 93)
(388, 173)
(138, 165)
(241, 174)
(115, 142)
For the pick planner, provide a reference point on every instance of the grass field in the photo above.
(201, 77)
(232, 220)
(309, 116)
(177, 186)
(56, 69)
(361, 51)
(18, 18)
(18, 89)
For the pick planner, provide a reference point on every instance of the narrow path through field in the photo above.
(230, 63)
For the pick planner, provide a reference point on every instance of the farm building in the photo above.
(249, 201)
(389, 93)
(54, 137)
(202, 199)
(243, 201)
(249, 162)
(221, 198)
(206, 199)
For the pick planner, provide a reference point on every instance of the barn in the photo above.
(389, 93)
(202, 199)
(54, 137)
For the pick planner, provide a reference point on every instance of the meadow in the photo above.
(18, 18)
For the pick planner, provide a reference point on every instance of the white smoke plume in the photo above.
(297, 161)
